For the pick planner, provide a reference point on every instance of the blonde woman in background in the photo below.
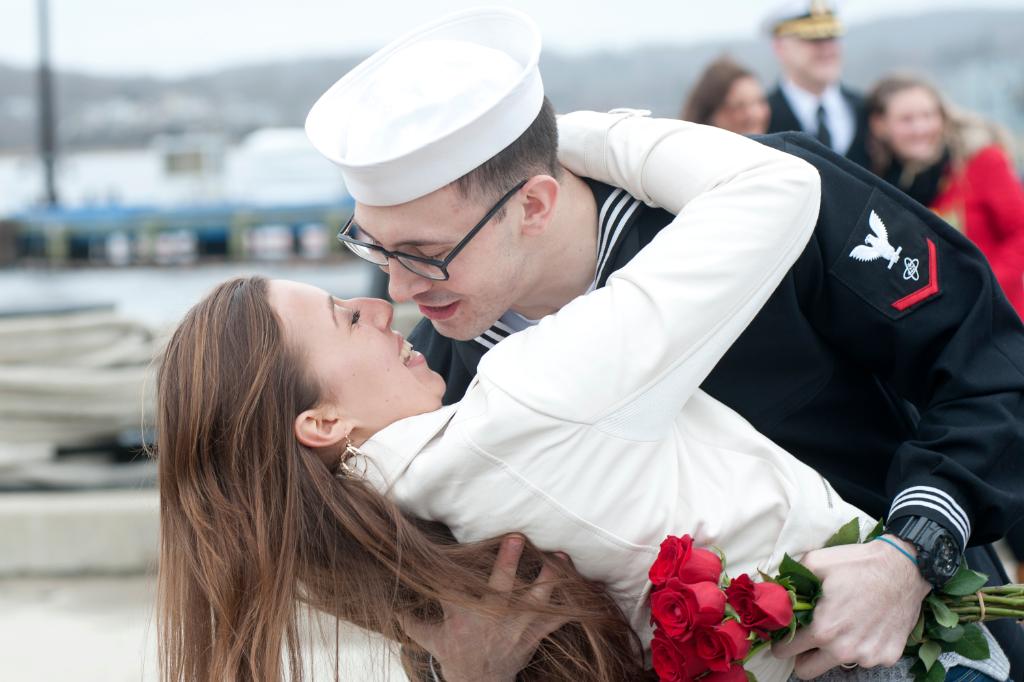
(956, 164)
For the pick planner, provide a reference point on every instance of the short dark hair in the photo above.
(535, 152)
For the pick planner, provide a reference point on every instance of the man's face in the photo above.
(484, 278)
(811, 64)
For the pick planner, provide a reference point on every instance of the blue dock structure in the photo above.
(122, 235)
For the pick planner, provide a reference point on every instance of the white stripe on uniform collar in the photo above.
(483, 341)
(603, 233)
(613, 217)
(619, 227)
(502, 327)
(498, 332)
(494, 335)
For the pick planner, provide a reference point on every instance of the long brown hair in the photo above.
(253, 525)
(712, 88)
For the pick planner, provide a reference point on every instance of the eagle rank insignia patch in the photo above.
(876, 245)
(889, 259)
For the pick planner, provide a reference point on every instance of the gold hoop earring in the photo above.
(349, 462)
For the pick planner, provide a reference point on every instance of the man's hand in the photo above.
(871, 600)
(472, 646)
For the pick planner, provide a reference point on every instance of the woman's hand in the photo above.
(472, 646)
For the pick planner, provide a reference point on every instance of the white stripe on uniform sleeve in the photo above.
(937, 500)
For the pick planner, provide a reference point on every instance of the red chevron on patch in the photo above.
(927, 291)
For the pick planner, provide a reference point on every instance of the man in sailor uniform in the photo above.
(887, 359)
(809, 97)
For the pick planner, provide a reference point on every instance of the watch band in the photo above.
(938, 555)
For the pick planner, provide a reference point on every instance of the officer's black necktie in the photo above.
(824, 135)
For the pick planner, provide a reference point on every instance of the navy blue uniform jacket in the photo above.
(896, 370)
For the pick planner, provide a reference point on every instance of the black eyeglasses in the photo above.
(359, 242)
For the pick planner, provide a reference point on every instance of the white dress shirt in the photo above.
(839, 115)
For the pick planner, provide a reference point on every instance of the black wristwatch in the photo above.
(938, 554)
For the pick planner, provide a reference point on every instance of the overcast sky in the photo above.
(176, 37)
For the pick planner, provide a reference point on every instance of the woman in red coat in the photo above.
(956, 165)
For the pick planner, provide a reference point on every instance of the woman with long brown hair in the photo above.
(254, 522)
(305, 457)
(728, 95)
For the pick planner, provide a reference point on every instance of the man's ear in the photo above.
(541, 192)
(318, 428)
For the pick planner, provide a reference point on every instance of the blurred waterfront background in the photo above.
(178, 160)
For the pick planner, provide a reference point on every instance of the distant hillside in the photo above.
(976, 57)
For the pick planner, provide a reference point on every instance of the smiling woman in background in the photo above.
(957, 165)
(728, 96)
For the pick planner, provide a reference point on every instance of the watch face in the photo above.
(945, 562)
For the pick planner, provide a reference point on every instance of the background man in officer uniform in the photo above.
(887, 359)
(809, 96)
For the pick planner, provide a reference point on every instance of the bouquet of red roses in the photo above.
(707, 625)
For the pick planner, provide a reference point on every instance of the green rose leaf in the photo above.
(778, 579)
(751, 677)
(849, 534)
(949, 634)
(973, 644)
(876, 531)
(917, 634)
(802, 579)
(965, 582)
(943, 616)
(929, 653)
(936, 673)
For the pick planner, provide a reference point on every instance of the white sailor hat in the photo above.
(806, 19)
(431, 106)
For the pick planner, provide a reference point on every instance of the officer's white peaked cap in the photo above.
(807, 19)
(431, 106)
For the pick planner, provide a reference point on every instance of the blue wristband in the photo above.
(898, 548)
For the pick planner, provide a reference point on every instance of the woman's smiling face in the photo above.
(365, 369)
(913, 125)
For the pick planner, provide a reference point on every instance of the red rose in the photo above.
(672, 550)
(678, 558)
(675, 661)
(721, 645)
(735, 673)
(763, 607)
(702, 565)
(678, 607)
